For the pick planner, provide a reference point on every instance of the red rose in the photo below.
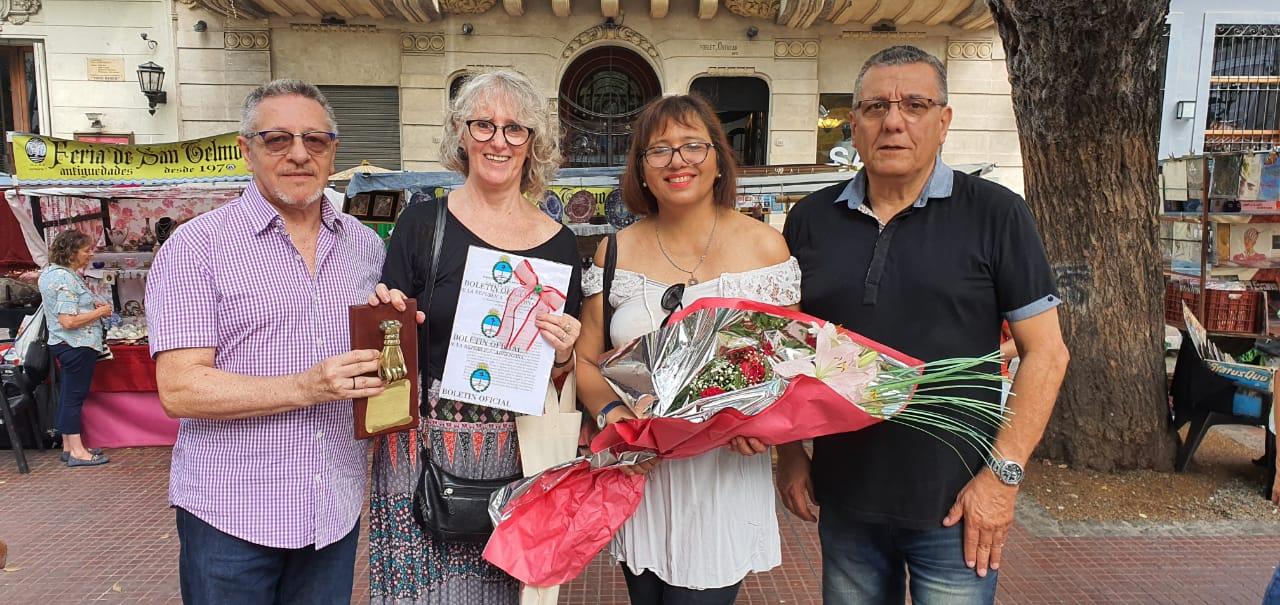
(811, 340)
(711, 391)
(767, 348)
(752, 370)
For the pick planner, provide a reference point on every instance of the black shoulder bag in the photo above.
(450, 508)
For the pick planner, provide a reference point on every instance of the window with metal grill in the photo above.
(368, 125)
(1244, 89)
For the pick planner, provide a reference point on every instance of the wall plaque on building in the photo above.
(720, 48)
(105, 69)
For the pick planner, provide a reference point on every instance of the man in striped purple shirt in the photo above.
(247, 307)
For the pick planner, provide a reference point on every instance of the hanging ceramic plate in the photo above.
(615, 211)
(552, 205)
(581, 206)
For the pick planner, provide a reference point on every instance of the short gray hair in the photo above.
(280, 88)
(904, 54)
(530, 109)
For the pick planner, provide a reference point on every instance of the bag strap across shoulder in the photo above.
(437, 240)
(610, 268)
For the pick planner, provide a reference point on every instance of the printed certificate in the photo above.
(497, 358)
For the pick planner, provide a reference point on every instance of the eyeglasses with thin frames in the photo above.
(912, 108)
(672, 301)
(316, 142)
(692, 153)
(483, 131)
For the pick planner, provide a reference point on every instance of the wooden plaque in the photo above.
(383, 414)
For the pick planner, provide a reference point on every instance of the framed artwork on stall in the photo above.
(359, 206)
(384, 206)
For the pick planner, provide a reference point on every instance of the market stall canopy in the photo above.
(41, 160)
(608, 177)
(364, 168)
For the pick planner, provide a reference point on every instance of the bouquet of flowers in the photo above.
(720, 369)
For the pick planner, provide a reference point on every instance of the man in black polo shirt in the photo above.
(928, 261)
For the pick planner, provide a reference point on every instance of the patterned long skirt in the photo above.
(407, 566)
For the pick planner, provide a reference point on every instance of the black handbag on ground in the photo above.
(448, 507)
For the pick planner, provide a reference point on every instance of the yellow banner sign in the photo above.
(48, 161)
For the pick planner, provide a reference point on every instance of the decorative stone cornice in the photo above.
(18, 12)
(969, 50)
(327, 28)
(731, 71)
(466, 7)
(861, 35)
(418, 43)
(246, 40)
(620, 32)
(229, 8)
(795, 49)
(760, 9)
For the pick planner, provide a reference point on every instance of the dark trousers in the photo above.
(216, 568)
(648, 589)
(75, 367)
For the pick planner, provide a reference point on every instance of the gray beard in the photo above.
(290, 201)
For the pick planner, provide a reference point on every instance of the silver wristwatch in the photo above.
(601, 422)
(1007, 471)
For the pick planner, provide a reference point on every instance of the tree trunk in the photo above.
(1086, 96)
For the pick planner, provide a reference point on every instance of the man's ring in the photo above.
(353, 383)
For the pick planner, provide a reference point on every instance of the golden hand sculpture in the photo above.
(391, 366)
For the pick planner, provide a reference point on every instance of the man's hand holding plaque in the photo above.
(388, 324)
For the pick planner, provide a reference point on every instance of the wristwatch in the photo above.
(1007, 471)
(604, 412)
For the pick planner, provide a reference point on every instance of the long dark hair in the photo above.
(685, 110)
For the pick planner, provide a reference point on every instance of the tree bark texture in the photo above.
(1086, 97)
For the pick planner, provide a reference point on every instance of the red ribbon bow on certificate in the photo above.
(524, 304)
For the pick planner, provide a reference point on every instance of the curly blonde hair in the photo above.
(530, 109)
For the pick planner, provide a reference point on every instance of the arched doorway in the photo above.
(600, 94)
(742, 104)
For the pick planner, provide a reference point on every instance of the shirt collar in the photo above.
(263, 215)
(941, 182)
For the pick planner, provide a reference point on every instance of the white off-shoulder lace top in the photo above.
(704, 522)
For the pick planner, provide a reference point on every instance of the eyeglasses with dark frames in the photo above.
(912, 108)
(484, 130)
(660, 156)
(672, 301)
(316, 142)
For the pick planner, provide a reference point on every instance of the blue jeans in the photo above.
(75, 366)
(869, 563)
(216, 568)
(648, 589)
(1272, 596)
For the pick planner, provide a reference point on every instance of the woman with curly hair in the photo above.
(499, 135)
(74, 316)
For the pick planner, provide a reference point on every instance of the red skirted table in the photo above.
(123, 408)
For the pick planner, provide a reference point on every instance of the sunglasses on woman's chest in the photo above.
(672, 301)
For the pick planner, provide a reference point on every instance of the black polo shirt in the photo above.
(934, 283)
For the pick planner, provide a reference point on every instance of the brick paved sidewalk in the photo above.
(105, 535)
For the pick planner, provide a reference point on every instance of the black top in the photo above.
(409, 263)
(946, 271)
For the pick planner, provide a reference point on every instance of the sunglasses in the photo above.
(672, 301)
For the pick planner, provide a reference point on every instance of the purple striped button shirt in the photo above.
(232, 280)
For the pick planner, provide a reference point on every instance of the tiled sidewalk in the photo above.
(105, 535)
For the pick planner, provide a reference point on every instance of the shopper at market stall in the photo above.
(704, 522)
(247, 309)
(928, 261)
(74, 316)
(500, 136)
